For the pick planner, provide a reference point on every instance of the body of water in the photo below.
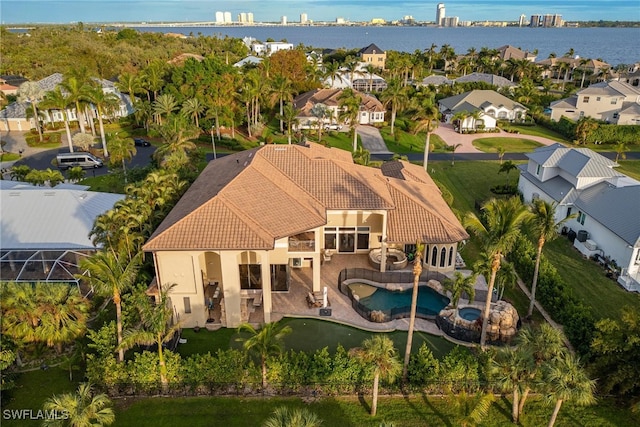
(612, 45)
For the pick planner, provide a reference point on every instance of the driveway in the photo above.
(372, 140)
(451, 137)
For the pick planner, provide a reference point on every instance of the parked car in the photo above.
(332, 126)
(139, 142)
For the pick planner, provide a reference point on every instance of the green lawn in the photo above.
(309, 335)
(537, 131)
(510, 145)
(404, 142)
(411, 411)
(588, 281)
(630, 167)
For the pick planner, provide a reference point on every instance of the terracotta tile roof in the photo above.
(329, 97)
(420, 213)
(248, 200)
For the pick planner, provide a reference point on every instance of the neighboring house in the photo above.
(606, 203)
(44, 232)
(371, 110)
(270, 48)
(508, 52)
(16, 117)
(492, 79)
(7, 89)
(252, 216)
(563, 68)
(613, 102)
(363, 81)
(372, 54)
(249, 60)
(182, 58)
(436, 80)
(489, 105)
(631, 75)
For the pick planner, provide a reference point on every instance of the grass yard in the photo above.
(510, 145)
(630, 167)
(324, 334)
(537, 131)
(404, 142)
(411, 411)
(588, 281)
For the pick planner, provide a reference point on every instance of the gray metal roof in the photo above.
(612, 88)
(617, 208)
(557, 188)
(579, 162)
(570, 102)
(49, 218)
(436, 80)
(478, 99)
(487, 78)
(15, 110)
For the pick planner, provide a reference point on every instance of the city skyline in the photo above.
(56, 11)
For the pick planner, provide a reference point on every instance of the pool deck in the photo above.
(293, 303)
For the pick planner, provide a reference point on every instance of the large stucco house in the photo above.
(373, 55)
(14, 117)
(613, 101)
(371, 110)
(252, 217)
(606, 203)
(490, 105)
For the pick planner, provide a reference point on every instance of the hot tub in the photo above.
(396, 259)
(469, 313)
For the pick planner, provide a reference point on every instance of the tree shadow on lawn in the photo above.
(364, 403)
(436, 412)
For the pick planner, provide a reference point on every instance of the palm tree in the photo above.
(426, 119)
(515, 369)
(104, 102)
(471, 410)
(621, 149)
(83, 408)
(76, 92)
(370, 69)
(507, 167)
(395, 95)
(332, 71)
(453, 147)
(281, 90)
(193, 108)
(320, 112)
(382, 355)
(350, 104)
(460, 284)
(544, 226)
(32, 93)
(156, 327)
(417, 271)
(497, 232)
(299, 417)
(265, 342)
(122, 150)
(459, 118)
(567, 380)
(290, 118)
(112, 273)
(176, 133)
(501, 150)
(129, 83)
(56, 100)
(164, 105)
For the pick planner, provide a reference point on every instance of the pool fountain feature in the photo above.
(465, 322)
(469, 313)
(396, 259)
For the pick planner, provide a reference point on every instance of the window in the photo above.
(443, 255)
(450, 256)
(434, 256)
(330, 238)
(250, 276)
(585, 99)
(581, 217)
(538, 170)
(279, 277)
(187, 304)
(614, 101)
(568, 212)
(598, 98)
(581, 113)
(346, 242)
(363, 238)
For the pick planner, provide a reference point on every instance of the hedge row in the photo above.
(556, 297)
(603, 133)
(230, 372)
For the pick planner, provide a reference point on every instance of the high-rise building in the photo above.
(557, 20)
(547, 20)
(522, 21)
(450, 21)
(535, 21)
(227, 18)
(283, 20)
(242, 18)
(440, 14)
(219, 17)
(250, 17)
(303, 18)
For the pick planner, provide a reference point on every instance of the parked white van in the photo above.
(84, 160)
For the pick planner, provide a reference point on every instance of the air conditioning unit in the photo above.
(296, 262)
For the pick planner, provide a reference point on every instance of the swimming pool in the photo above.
(397, 304)
(469, 313)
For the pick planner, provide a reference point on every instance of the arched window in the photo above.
(434, 256)
(450, 256)
(443, 256)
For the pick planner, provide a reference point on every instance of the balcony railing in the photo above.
(303, 242)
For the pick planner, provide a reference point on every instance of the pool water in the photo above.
(429, 301)
(469, 313)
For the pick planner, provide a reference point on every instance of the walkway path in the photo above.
(448, 135)
(372, 140)
(15, 142)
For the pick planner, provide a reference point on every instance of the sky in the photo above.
(88, 11)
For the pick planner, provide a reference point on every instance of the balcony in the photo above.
(302, 242)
